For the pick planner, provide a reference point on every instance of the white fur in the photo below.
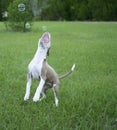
(35, 65)
(38, 91)
(29, 81)
(56, 99)
(73, 67)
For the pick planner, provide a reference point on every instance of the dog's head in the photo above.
(44, 41)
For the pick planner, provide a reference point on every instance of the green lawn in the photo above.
(87, 98)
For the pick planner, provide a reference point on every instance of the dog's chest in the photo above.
(35, 65)
(35, 69)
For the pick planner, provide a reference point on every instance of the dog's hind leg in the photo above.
(43, 96)
(43, 92)
(55, 89)
(46, 86)
(39, 90)
(28, 85)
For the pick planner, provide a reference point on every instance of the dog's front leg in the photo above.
(38, 91)
(28, 85)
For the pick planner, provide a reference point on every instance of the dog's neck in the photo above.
(40, 54)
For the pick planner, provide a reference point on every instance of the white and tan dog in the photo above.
(39, 69)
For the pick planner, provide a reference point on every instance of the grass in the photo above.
(88, 97)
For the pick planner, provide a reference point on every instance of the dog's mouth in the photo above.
(45, 38)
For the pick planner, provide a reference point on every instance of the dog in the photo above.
(39, 69)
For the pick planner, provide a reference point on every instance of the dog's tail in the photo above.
(68, 73)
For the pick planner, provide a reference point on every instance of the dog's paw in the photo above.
(56, 102)
(26, 98)
(35, 99)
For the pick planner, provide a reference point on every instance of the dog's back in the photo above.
(51, 75)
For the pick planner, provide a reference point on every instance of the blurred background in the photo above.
(69, 10)
(18, 15)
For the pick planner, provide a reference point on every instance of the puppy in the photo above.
(39, 69)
